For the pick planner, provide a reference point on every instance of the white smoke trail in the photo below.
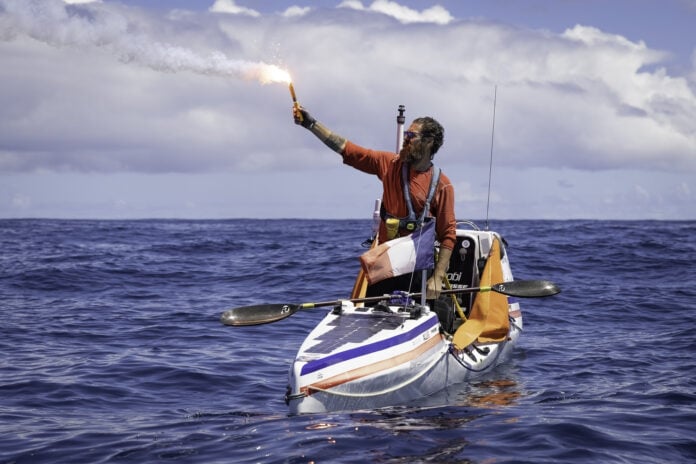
(95, 25)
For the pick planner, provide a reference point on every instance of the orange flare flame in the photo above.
(272, 73)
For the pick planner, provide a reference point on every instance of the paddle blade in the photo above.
(527, 288)
(257, 314)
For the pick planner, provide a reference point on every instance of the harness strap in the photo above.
(407, 191)
(411, 222)
(431, 193)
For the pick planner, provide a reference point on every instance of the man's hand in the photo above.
(434, 285)
(302, 117)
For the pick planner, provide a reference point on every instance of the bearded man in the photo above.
(414, 191)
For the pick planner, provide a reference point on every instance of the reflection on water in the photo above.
(403, 419)
(320, 426)
(493, 393)
(476, 399)
(444, 427)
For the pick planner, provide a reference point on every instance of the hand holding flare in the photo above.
(298, 113)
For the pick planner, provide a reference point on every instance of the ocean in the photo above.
(112, 349)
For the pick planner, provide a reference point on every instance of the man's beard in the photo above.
(411, 154)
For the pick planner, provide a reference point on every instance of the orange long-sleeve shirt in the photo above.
(387, 167)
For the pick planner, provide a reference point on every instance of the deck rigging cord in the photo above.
(456, 355)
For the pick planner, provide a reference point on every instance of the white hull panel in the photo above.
(412, 362)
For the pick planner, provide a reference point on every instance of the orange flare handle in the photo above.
(298, 113)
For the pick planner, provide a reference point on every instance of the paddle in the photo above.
(266, 313)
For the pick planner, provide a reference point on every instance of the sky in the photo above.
(552, 109)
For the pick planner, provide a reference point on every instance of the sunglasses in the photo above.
(410, 135)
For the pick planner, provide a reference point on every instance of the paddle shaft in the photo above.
(263, 314)
(517, 288)
(372, 299)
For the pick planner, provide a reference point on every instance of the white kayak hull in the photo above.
(393, 366)
(370, 357)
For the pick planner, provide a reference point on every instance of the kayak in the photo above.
(392, 352)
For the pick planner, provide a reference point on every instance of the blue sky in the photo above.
(140, 109)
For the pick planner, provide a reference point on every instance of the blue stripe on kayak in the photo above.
(317, 364)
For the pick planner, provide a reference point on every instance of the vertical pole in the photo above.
(376, 219)
(400, 120)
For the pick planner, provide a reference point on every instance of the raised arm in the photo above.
(331, 140)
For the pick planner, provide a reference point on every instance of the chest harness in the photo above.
(410, 222)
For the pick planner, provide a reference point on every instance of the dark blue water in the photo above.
(112, 350)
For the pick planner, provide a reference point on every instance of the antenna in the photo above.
(490, 166)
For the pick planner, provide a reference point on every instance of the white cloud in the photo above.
(20, 201)
(230, 7)
(296, 11)
(683, 189)
(119, 90)
(641, 192)
(689, 4)
(593, 36)
(435, 14)
(105, 101)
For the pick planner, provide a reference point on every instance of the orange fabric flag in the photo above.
(488, 321)
(498, 321)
